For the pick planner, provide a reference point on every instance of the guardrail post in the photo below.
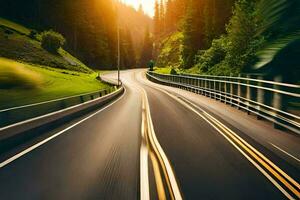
(205, 87)
(190, 85)
(209, 88)
(198, 86)
(220, 89)
(239, 93)
(214, 96)
(278, 101)
(81, 99)
(260, 97)
(225, 91)
(248, 94)
(231, 92)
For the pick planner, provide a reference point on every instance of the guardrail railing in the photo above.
(267, 99)
(17, 114)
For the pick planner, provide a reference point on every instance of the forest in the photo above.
(90, 27)
(228, 37)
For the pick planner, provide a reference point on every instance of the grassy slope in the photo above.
(16, 44)
(29, 74)
(32, 83)
(164, 70)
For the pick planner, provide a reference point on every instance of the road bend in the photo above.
(156, 142)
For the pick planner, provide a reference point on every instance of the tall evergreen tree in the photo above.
(128, 57)
(146, 54)
(157, 20)
(170, 16)
(193, 33)
(162, 19)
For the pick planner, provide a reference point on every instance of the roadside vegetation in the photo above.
(29, 73)
(89, 27)
(21, 47)
(52, 41)
(229, 37)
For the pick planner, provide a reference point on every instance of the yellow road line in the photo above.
(158, 178)
(160, 155)
(144, 175)
(263, 160)
(260, 158)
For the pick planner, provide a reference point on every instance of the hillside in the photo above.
(30, 74)
(15, 43)
(229, 37)
(91, 37)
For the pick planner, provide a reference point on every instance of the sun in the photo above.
(148, 5)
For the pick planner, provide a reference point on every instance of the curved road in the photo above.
(156, 142)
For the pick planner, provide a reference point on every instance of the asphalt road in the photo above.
(101, 156)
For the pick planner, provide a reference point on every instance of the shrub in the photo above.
(173, 71)
(213, 56)
(33, 34)
(52, 41)
(8, 32)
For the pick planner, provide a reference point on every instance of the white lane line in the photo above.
(285, 152)
(15, 157)
(144, 175)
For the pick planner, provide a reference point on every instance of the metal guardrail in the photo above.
(23, 131)
(266, 99)
(17, 114)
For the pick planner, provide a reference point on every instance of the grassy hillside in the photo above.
(30, 74)
(15, 43)
(24, 83)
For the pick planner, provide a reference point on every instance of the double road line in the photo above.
(166, 183)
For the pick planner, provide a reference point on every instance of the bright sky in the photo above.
(148, 5)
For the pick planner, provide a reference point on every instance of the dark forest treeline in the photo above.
(224, 37)
(139, 26)
(200, 21)
(90, 27)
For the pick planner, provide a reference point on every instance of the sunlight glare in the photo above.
(148, 5)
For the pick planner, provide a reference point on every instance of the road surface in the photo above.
(156, 142)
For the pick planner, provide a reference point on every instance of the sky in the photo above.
(148, 5)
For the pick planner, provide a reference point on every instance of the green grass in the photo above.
(164, 70)
(22, 84)
(14, 26)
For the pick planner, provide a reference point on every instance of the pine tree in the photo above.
(128, 58)
(192, 32)
(146, 54)
(156, 20)
(170, 16)
(162, 19)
